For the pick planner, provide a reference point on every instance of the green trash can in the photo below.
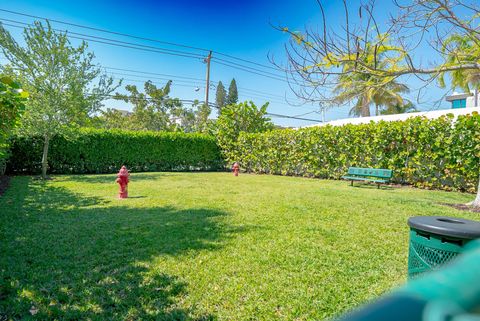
(435, 240)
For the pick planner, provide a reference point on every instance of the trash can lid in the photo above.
(446, 226)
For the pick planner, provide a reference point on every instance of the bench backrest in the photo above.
(370, 172)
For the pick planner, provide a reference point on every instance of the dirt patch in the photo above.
(4, 182)
(463, 207)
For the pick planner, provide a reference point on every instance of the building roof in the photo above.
(458, 96)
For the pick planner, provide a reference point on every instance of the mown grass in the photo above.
(203, 246)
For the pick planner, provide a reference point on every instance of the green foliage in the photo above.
(105, 151)
(232, 97)
(220, 96)
(439, 153)
(201, 122)
(243, 117)
(154, 110)
(458, 50)
(64, 84)
(12, 99)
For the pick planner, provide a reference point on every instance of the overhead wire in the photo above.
(113, 42)
(137, 46)
(138, 37)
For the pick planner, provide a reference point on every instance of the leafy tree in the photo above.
(237, 118)
(65, 86)
(12, 99)
(155, 110)
(114, 119)
(201, 117)
(232, 97)
(221, 96)
(152, 110)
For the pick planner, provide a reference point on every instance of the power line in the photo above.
(104, 30)
(192, 78)
(130, 45)
(189, 85)
(154, 82)
(262, 92)
(152, 73)
(253, 72)
(189, 101)
(294, 117)
(243, 66)
(247, 61)
(149, 78)
(114, 42)
(138, 37)
(137, 46)
(281, 116)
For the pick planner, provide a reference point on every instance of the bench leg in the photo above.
(378, 185)
(351, 183)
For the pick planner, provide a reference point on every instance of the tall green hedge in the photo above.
(104, 151)
(439, 153)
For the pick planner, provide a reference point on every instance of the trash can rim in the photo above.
(446, 226)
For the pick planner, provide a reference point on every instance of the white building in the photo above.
(462, 100)
(429, 114)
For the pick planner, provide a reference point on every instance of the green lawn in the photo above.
(203, 246)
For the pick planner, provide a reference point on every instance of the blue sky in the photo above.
(239, 28)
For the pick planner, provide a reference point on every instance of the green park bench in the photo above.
(376, 175)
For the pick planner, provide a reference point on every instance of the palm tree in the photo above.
(367, 92)
(366, 88)
(407, 107)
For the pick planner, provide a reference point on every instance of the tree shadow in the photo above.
(373, 186)
(110, 178)
(73, 257)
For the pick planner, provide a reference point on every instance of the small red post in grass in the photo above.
(122, 180)
(235, 168)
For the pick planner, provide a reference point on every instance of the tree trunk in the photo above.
(365, 110)
(476, 201)
(44, 156)
(376, 110)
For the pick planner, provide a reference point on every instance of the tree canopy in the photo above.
(64, 84)
(155, 110)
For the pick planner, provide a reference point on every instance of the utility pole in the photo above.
(207, 87)
(322, 111)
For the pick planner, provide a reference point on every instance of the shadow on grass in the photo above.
(110, 178)
(373, 186)
(74, 257)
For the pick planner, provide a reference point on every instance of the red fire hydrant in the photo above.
(235, 168)
(122, 180)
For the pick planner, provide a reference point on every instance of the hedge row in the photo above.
(440, 153)
(102, 151)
